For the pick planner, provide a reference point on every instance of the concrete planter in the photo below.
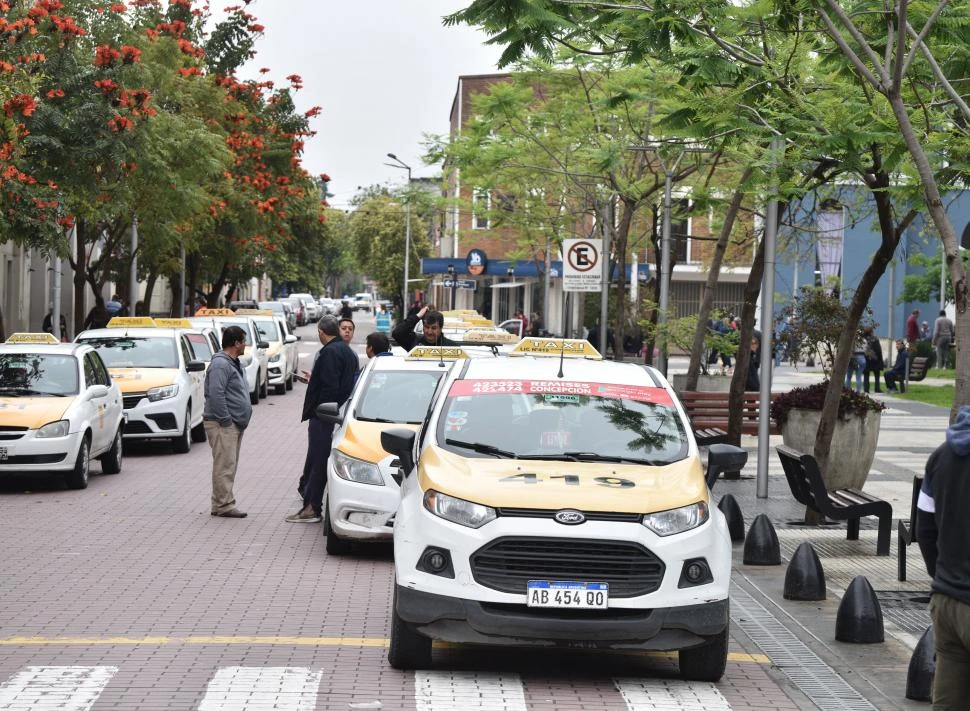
(705, 383)
(853, 445)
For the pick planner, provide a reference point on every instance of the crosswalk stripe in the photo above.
(670, 695)
(49, 688)
(468, 691)
(281, 688)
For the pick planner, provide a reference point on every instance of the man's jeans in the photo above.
(225, 443)
(319, 441)
(951, 626)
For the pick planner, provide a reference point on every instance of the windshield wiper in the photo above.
(594, 457)
(482, 448)
(375, 419)
(564, 457)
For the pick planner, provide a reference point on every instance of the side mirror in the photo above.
(98, 391)
(400, 442)
(195, 366)
(262, 345)
(329, 412)
(723, 458)
(290, 338)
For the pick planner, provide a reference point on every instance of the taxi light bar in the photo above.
(204, 311)
(132, 322)
(173, 323)
(49, 338)
(437, 353)
(557, 347)
(489, 335)
(255, 312)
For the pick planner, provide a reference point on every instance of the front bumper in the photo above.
(31, 454)
(470, 621)
(155, 420)
(361, 512)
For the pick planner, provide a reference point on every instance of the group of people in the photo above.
(942, 335)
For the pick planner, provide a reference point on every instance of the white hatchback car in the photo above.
(255, 361)
(58, 409)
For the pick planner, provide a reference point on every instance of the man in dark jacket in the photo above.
(225, 417)
(943, 533)
(432, 321)
(898, 371)
(331, 380)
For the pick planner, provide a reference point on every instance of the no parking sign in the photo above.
(581, 270)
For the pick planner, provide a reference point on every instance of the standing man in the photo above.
(943, 533)
(377, 345)
(332, 380)
(226, 416)
(433, 323)
(347, 329)
(942, 338)
(912, 327)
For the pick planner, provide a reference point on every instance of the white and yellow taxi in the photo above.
(161, 382)
(58, 409)
(363, 488)
(282, 353)
(560, 502)
(255, 361)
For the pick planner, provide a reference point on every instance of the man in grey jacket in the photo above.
(226, 415)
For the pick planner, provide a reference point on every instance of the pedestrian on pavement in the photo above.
(753, 380)
(332, 380)
(345, 310)
(857, 365)
(225, 417)
(943, 533)
(898, 371)
(48, 325)
(115, 306)
(97, 317)
(912, 326)
(535, 324)
(874, 361)
(378, 344)
(433, 323)
(942, 338)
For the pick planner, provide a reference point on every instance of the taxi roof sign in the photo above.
(131, 322)
(558, 347)
(489, 335)
(255, 312)
(173, 323)
(204, 311)
(48, 338)
(437, 353)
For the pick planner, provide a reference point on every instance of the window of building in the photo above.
(680, 224)
(481, 204)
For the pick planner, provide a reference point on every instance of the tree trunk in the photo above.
(80, 267)
(707, 300)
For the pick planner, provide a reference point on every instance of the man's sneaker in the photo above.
(306, 515)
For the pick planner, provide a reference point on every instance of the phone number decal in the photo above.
(613, 391)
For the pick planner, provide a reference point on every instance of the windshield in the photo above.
(267, 329)
(573, 421)
(135, 352)
(37, 374)
(397, 396)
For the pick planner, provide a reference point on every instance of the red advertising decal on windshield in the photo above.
(614, 391)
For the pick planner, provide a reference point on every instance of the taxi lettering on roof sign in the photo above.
(255, 312)
(173, 323)
(33, 338)
(215, 312)
(437, 353)
(568, 347)
(489, 335)
(131, 322)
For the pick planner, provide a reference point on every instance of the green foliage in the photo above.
(924, 286)
(813, 396)
(815, 320)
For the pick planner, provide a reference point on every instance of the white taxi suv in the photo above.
(255, 361)
(161, 383)
(559, 502)
(58, 409)
(363, 481)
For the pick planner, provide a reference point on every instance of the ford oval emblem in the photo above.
(569, 517)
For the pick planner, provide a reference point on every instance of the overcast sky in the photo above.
(384, 71)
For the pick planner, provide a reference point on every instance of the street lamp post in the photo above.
(407, 231)
(451, 277)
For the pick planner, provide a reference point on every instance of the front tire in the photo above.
(254, 395)
(264, 388)
(111, 460)
(289, 382)
(707, 662)
(183, 443)
(335, 545)
(77, 478)
(409, 649)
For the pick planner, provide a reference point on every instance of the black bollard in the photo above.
(732, 513)
(761, 544)
(805, 579)
(922, 667)
(859, 619)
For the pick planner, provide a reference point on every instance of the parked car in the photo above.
(243, 304)
(299, 311)
(310, 304)
(283, 309)
(363, 302)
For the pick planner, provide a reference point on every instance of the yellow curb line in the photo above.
(740, 657)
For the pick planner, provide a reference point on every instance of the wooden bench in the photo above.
(708, 413)
(906, 530)
(917, 368)
(808, 487)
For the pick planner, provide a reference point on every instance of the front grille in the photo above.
(9, 432)
(164, 421)
(137, 428)
(590, 515)
(132, 399)
(35, 459)
(508, 564)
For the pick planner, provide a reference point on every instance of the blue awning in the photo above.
(500, 268)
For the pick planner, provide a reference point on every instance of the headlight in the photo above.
(356, 470)
(458, 510)
(275, 358)
(667, 523)
(55, 429)
(162, 393)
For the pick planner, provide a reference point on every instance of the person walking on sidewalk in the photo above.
(857, 365)
(225, 417)
(942, 338)
(943, 534)
(912, 326)
(332, 380)
(874, 361)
